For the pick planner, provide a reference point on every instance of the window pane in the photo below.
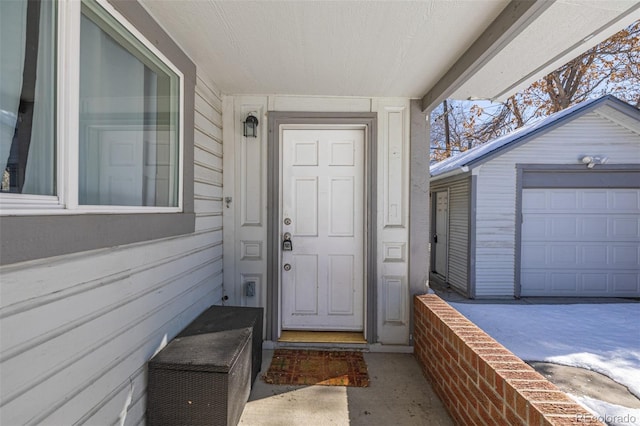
(27, 97)
(129, 104)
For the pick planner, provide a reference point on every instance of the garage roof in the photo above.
(609, 106)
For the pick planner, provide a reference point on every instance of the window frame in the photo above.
(37, 226)
(67, 145)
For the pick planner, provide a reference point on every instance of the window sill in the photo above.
(51, 211)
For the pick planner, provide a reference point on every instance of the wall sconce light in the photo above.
(250, 126)
(592, 160)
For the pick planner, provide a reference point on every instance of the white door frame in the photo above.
(277, 122)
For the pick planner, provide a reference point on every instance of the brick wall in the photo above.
(479, 380)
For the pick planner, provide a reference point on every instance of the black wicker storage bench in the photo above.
(204, 375)
(218, 318)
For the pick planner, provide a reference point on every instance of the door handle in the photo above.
(287, 245)
(435, 238)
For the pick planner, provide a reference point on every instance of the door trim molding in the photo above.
(277, 119)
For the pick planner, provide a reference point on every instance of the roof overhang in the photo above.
(428, 49)
(545, 36)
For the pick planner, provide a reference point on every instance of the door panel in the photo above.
(305, 276)
(305, 200)
(341, 207)
(341, 276)
(323, 196)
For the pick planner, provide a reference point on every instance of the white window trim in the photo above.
(67, 125)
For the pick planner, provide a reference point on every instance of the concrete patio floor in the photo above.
(398, 394)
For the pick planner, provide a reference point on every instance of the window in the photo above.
(27, 97)
(125, 142)
(128, 135)
(97, 128)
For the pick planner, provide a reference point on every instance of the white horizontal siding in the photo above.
(78, 330)
(496, 189)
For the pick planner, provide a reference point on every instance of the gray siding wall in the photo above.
(496, 190)
(458, 247)
(77, 330)
(459, 200)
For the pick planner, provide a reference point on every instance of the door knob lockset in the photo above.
(287, 267)
(287, 245)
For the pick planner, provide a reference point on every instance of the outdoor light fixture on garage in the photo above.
(592, 160)
(250, 126)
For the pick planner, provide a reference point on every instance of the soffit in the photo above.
(330, 48)
(629, 118)
(382, 48)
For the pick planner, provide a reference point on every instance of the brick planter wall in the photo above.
(479, 380)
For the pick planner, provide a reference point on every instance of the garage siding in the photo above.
(459, 197)
(458, 247)
(496, 190)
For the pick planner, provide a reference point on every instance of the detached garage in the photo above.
(552, 209)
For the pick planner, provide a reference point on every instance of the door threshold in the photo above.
(297, 336)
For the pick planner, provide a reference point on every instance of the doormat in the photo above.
(308, 367)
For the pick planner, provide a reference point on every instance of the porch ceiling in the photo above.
(384, 48)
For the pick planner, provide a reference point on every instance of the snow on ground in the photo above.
(601, 337)
(611, 414)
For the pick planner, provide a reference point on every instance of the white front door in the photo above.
(441, 237)
(323, 209)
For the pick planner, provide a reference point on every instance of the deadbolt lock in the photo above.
(287, 221)
(287, 267)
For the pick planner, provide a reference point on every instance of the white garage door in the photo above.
(580, 242)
